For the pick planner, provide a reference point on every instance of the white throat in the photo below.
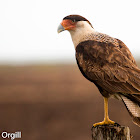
(81, 33)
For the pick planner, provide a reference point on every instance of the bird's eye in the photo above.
(73, 20)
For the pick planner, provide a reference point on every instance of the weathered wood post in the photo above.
(110, 132)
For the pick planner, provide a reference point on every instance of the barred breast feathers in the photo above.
(100, 37)
(85, 32)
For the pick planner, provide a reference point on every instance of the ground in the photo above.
(53, 102)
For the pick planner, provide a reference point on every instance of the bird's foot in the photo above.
(105, 122)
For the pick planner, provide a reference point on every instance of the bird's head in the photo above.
(79, 27)
(72, 23)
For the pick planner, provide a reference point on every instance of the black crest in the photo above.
(76, 18)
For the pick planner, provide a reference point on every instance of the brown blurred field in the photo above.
(53, 102)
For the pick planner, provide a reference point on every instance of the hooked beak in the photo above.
(60, 28)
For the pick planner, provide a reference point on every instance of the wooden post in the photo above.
(110, 132)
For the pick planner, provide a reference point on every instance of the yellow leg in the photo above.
(106, 120)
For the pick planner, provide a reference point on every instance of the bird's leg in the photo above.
(106, 117)
(106, 120)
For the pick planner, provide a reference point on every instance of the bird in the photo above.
(108, 63)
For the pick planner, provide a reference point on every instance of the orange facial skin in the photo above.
(68, 24)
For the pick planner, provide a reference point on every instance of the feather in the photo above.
(132, 103)
(124, 49)
(112, 68)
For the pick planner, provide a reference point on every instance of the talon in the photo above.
(105, 122)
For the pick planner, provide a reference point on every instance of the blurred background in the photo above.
(42, 92)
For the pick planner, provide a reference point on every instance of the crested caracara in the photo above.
(106, 62)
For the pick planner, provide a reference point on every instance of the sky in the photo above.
(28, 28)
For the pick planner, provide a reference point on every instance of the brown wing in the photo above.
(124, 49)
(112, 68)
(114, 71)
